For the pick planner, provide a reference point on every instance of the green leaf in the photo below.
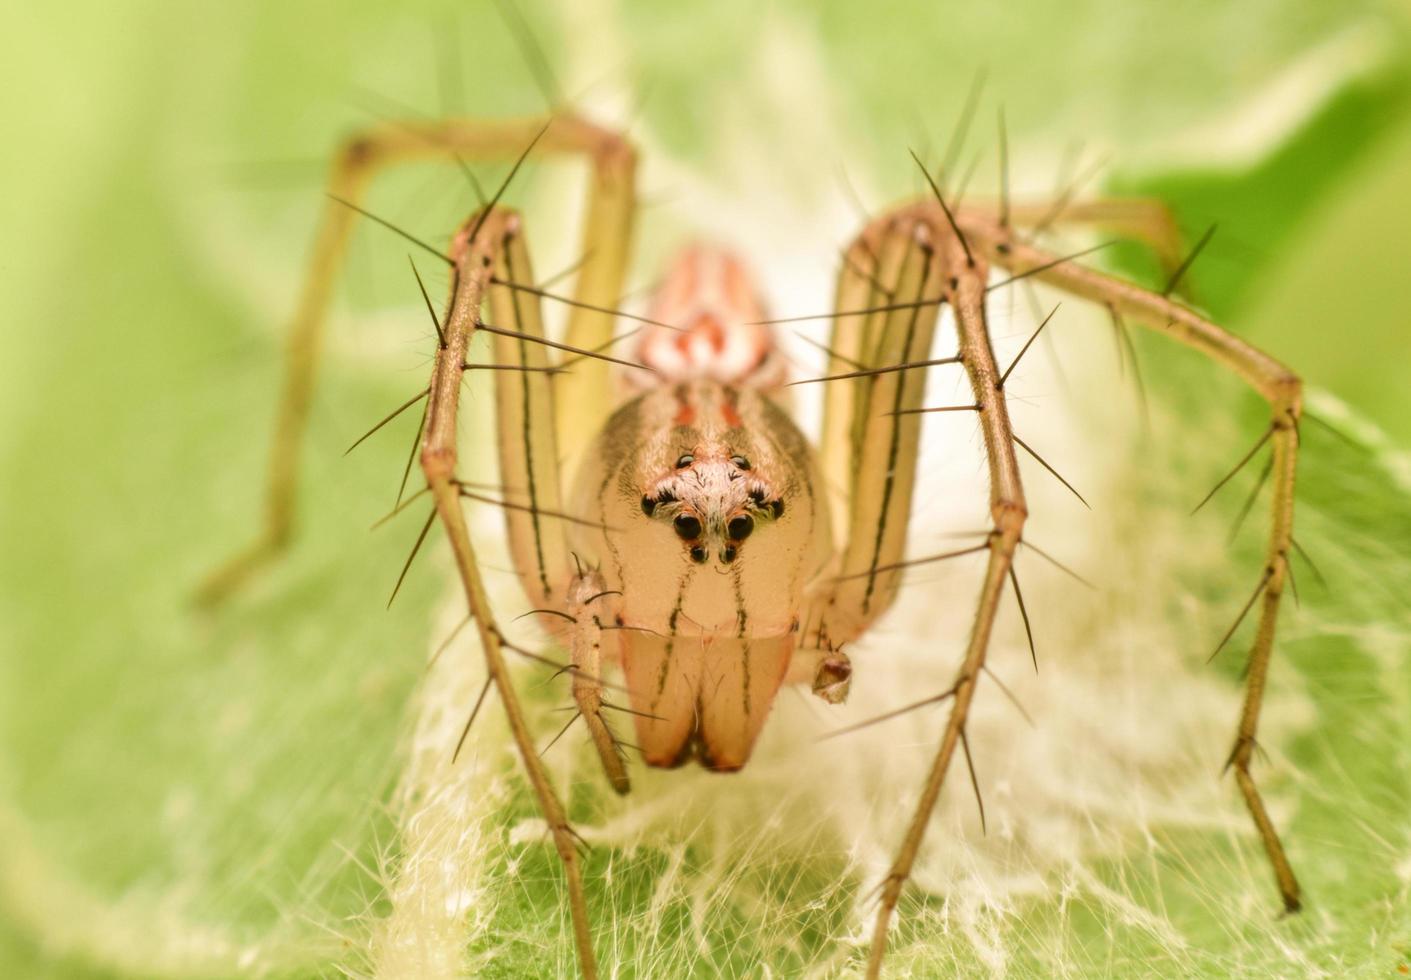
(268, 788)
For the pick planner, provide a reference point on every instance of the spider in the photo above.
(703, 547)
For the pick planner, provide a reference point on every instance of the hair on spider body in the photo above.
(714, 500)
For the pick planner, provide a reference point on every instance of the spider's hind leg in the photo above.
(606, 239)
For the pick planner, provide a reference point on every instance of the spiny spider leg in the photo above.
(967, 242)
(539, 407)
(496, 236)
(524, 415)
(1283, 390)
(965, 281)
(883, 476)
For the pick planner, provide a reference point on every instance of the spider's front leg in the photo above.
(491, 264)
(968, 244)
(902, 268)
(868, 449)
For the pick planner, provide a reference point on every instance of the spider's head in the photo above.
(714, 500)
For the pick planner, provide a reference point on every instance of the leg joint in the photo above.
(1009, 517)
(1286, 393)
(358, 153)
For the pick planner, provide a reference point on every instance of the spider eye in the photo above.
(698, 555)
(649, 506)
(684, 461)
(740, 527)
(776, 507)
(687, 527)
(728, 555)
(740, 462)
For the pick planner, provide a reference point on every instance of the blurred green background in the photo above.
(184, 795)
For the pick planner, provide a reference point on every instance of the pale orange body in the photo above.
(717, 529)
(709, 295)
